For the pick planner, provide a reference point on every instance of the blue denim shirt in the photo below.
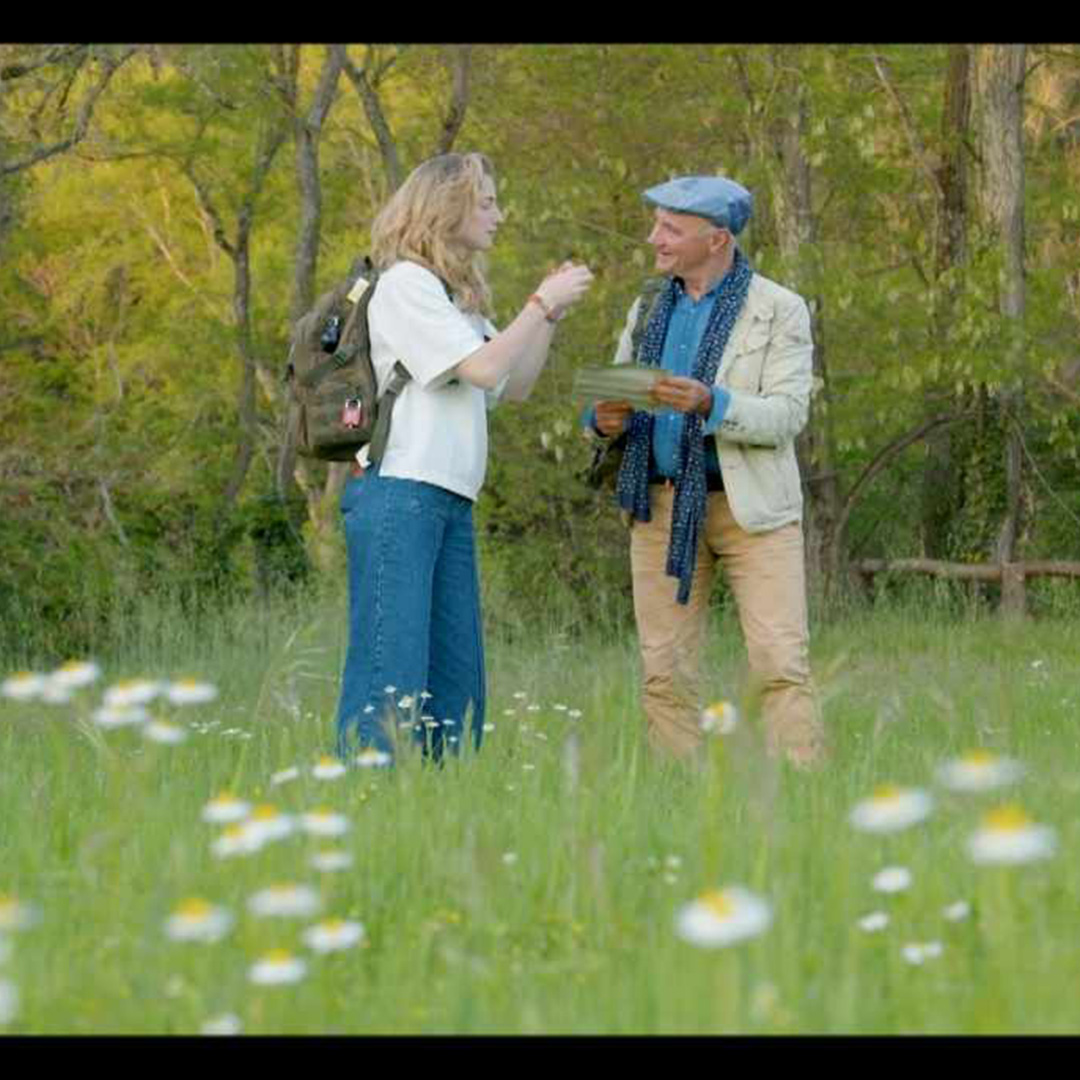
(689, 318)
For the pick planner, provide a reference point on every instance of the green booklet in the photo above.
(619, 382)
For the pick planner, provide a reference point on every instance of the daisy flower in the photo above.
(23, 686)
(876, 920)
(16, 914)
(190, 692)
(370, 758)
(114, 716)
(333, 935)
(324, 822)
(327, 862)
(919, 953)
(268, 823)
(722, 917)
(132, 692)
(890, 809)
(574, 714)
(277, 968)
(892, 879)
(285, 901)
(75, 674)
(957, 912)
(226, 1024)
(9, 1001)
(236, 840)
(225, 808)
(328, 768)
(161, 731)
(198, 920)
(979, 770)
(1008, 836)
(285, 775)
(720, 718)
(54, 694)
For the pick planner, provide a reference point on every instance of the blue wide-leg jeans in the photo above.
(414, 618)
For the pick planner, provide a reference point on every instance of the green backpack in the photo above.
(334, 407)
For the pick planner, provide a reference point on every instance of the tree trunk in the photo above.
(999, 79)
(941, 494)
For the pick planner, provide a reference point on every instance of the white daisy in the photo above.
(53, 693)
(876, 920)
(198, 920)
(722, 917)
(957, 912)
(190, 692)
(520, 695)
(509, 858)
(285, 775)
(560, 708)
(890, 809)
(285, 901)
(268, 823)
(324, 822)
(23, 686)
(979, 771)
(329, 862)
(277, 968)
(370, 758)
(226, 1024)
(328, 768)
(332, 935)
(406, 702)
(236, 840)
(161, 731)
(574, 714)
(720, 718)
(75, 674)
(9, 1001)
(489, 728)
(1008, 836)
(16, 914)
(132, 692)
(225, 808)
(115, 716)
(892, 879)
(919, 953)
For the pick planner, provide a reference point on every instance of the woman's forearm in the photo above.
(521, 346)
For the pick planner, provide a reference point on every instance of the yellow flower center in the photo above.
(978, 757)
(264, 812)
(1009, 818)
(334, 926)
(278, 956)
(73, 665)
(194, 908)
(719, 903)
(887, 793)
(326, 760)
(234, 832)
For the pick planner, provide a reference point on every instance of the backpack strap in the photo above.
(650, 294)
(398, 378)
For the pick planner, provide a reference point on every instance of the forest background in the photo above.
(167, 212)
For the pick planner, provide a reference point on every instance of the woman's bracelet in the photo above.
(550, 315)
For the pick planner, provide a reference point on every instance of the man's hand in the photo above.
(682, 394)
(613, 416)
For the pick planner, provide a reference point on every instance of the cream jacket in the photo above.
(767, 369)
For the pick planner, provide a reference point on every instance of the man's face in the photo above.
(683, 242)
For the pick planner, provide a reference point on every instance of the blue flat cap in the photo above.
(721, 201)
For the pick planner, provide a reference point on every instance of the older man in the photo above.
(713, 476)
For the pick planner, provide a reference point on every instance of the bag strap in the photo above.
(379, 438)
(650, 294)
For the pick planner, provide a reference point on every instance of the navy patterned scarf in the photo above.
(632, 490)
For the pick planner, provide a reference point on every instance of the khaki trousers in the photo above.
(767, 577)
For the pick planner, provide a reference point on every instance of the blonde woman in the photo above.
(416, 653)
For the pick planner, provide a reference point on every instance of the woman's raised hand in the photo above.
(565, 286)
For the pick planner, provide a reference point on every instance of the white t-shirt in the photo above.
(438, 430)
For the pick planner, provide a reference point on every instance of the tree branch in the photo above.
(459, 98)
(377, 118)
(81, 125)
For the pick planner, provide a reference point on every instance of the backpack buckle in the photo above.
(352, 414)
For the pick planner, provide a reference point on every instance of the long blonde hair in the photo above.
(422, 218)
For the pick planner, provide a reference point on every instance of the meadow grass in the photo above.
(533, 888)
